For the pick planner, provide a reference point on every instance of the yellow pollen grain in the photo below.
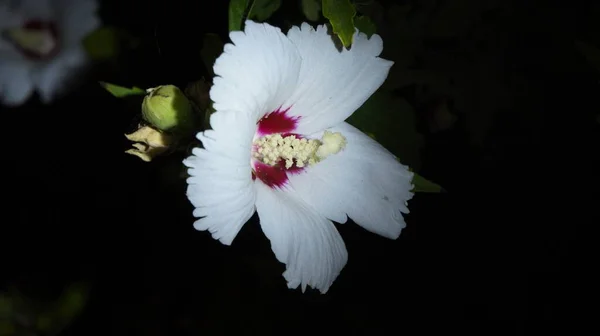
(272, 148)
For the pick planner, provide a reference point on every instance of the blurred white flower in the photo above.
(279, 146)
(41, 46)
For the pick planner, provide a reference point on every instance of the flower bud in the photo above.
(167, 108)
(149, 143)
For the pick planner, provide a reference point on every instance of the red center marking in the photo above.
(277, 122)
(274, 176)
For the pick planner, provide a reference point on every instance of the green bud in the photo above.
(168, 109)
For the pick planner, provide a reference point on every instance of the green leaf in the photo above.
(365, 25)
(423, 185)
(7, 328)
(198, 92)
(6, 306)
(311, 9)
(237, 8)
(102, 43)
(107, 42)
(211, 49)
(120, 91)
(391, 121)
(64, 310)
(590, 52)
(72, 301)
(340, 14)
(263, 9)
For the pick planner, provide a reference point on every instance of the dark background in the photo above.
(497, 254)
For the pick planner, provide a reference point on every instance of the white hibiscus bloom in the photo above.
(279, 146)
(41, 46)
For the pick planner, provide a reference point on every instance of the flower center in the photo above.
(272, 149)
(277, 154)
(36, 39)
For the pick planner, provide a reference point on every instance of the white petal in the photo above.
(8, 53)
(77, 19)
(49, 79)
(364, 181)
(221, 187)
(38, 9)
(59, 75)
(257, 72)
(16, 85)
(8, 18)
(333, 84)
(306, 242)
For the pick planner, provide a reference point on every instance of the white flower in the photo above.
(280, 98)
(41, 46)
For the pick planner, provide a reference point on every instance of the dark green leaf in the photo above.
(7, 328)
(64, 310)
(120, 91)
(311, 9)
(6, 306)
(391, 121)
(263, 9)
(107, 42)
(102, 44)
(340, 14)
(423, 185)
(212, 48)
(198, 92)
(72, 301)
(237, 8)
(365, 25)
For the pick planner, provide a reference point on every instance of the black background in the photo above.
(498, 253)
